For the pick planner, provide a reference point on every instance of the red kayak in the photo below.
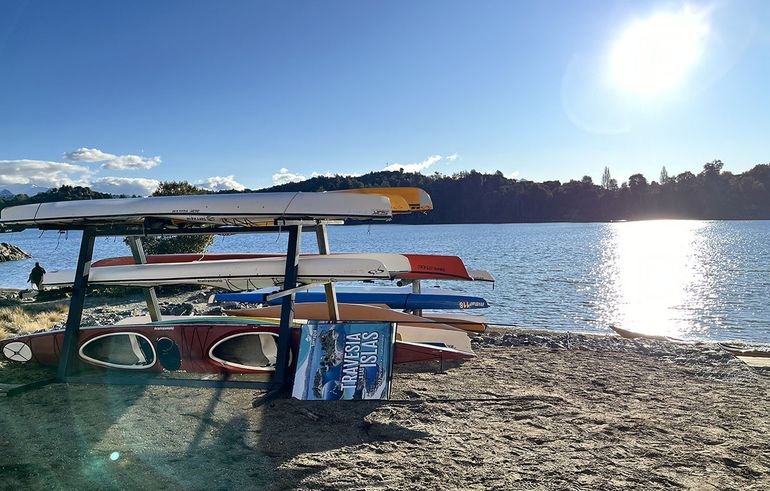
(422, 266)
(202, 346)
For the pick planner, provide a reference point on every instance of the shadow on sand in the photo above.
(130, 437)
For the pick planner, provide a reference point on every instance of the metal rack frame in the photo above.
(65, 371)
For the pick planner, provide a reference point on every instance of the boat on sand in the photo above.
(198, 345)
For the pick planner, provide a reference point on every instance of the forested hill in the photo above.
(473, 197)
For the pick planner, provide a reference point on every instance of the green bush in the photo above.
(182, 243)
(177, 245)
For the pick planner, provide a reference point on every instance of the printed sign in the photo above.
(344, 360)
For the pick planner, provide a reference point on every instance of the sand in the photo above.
(535, 410)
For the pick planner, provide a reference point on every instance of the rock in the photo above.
(214, 311)
(9, 252)
(185, 308)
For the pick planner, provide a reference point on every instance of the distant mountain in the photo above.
(9, 190)
(5, 194)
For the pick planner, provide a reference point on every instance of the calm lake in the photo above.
(692, 279)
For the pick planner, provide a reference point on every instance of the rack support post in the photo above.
(137, 250)
(72, 330)
(331, 291)
(417, 288)
(287, 307)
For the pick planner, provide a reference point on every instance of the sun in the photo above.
(652, 56)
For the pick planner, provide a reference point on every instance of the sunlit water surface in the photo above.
(688, 279)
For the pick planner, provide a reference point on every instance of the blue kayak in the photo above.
(401, 298)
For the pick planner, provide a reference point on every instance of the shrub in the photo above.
(182, 243)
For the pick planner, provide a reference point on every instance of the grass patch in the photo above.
(22, 319)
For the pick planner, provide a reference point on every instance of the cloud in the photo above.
(512, 175)
(87, 155)
(284, 177)
(221, 183)
(421, 166)
(125, 185)
(47, 174)
(110, 161)
(42, 173)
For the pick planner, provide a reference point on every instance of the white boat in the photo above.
(251, 274)
(243, 209)
(232, 274)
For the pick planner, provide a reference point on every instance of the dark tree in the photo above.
(607, 178)
(476, 197)
(181, 243)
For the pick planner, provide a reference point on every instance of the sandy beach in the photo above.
(535, 410)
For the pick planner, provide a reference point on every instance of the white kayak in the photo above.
(252, 274)
(233, 274)
(224, 209)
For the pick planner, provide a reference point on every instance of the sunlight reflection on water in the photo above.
(654, 276)
(687, 279)
(690, 279)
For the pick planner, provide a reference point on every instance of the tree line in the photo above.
(475, 197)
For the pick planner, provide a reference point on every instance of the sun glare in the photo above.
(653, 55)
(655, 274)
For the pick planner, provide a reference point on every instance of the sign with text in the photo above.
(344, 360)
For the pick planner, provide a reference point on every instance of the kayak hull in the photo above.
(197, 346)
(401, 298)
(247, 209)
(401, 266)
(232, 274)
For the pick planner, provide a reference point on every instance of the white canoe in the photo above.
(250, 274)
(233, 274)
(225, 209)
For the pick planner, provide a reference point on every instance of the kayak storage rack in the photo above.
(66, 372)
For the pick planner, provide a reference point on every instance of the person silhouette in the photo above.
(36, 276)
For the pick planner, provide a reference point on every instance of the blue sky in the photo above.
(119, 95)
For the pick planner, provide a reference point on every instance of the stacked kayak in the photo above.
(409, 327)
(245, 341)
(205, 345)
(395, 297)
(259, 272)
(247, 209)
(243, 271)
(401, 266)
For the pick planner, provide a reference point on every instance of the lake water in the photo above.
(691, 279)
